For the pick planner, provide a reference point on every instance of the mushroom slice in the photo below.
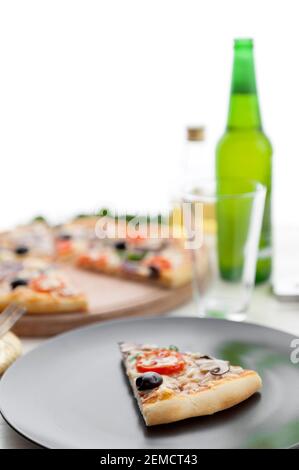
(222, 367)
(215, 367)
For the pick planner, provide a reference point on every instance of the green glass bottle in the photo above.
(245, 152)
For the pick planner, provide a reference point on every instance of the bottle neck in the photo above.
(244, 112)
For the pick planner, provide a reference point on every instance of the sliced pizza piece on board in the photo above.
(162, 262)
(50, 294)
(10, 267)
(171, 386)
(40, 287)
(35, 239)
(72, 239)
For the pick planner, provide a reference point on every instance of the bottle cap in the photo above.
(196, 134)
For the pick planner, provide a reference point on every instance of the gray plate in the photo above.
(72, 391)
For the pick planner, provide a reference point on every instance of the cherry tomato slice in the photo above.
(64, 246)
(101, 262)
(46, 284)
(136, 239)
(162, 361)
(84, 260)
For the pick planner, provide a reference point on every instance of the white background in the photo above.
(95, 97)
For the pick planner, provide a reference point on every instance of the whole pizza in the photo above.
(32, 257)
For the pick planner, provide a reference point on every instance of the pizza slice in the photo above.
(170, 385)
(39, 286)
(161, 261)
(34, 239)
(71, 239)
(10, 266)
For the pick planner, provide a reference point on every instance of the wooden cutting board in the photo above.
(109, 298)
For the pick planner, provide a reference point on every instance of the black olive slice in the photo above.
(148, 381)
(18, 282)
(120, 245)
(154, 272)
(21, 250)
(64, 236)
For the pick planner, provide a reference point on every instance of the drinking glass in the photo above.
(228, 214)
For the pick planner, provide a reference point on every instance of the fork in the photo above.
(10, 316)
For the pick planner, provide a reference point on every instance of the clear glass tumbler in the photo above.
(224, 254)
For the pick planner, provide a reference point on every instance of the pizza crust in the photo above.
(40, 302)
(5, 300)
(169, 278)
(222, 395)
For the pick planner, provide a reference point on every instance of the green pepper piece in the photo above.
(39, 218)
(136, 256)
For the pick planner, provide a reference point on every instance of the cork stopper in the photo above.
(196, 134)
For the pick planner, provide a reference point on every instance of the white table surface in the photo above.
(264, 310)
